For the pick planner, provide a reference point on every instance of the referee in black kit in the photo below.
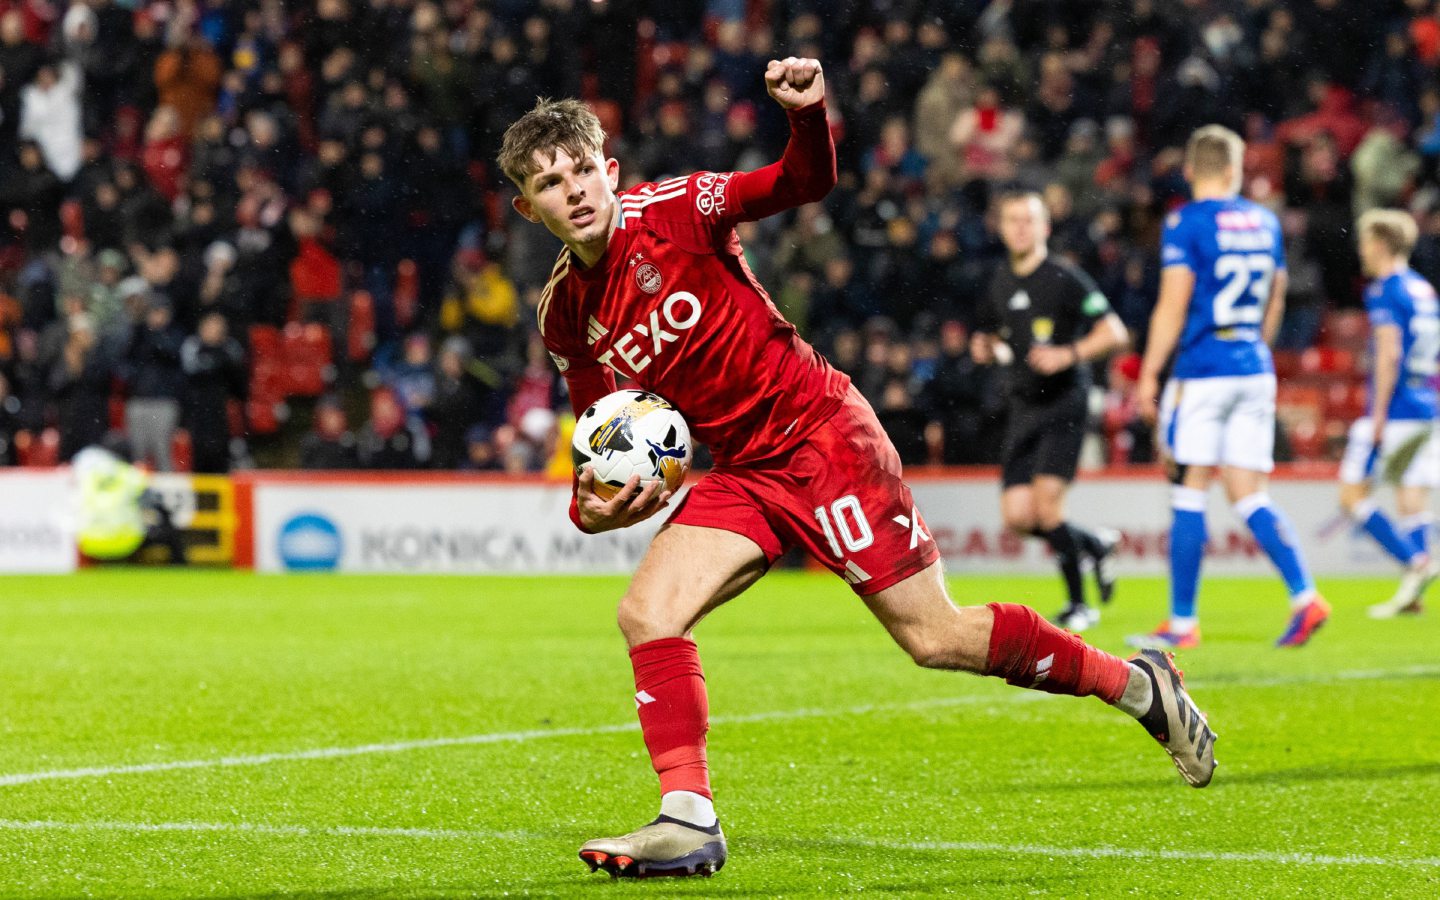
(1047, 321)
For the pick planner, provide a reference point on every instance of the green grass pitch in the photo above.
(182, 734)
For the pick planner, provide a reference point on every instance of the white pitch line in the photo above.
(509, 737)
(1255, 856)
(261, 828)
(1250, 856)
(501, 737)
(1325, 678)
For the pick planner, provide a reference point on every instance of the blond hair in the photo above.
(1213, 152)
(551, 126)
(1395, 228)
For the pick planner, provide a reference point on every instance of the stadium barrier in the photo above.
(202, 507)
(963, 514)
(436, 522)
(498, 524)
(37, 521)
(461, 523)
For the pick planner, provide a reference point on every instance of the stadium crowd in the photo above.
(178, 177)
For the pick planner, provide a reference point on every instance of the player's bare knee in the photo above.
(641, 619)
(1048, 518)
(957, 644)
(1020, 524)
(929, 651)
(1019, 518)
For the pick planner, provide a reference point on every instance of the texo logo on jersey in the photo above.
(639, 346)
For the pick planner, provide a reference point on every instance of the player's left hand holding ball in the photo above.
(633, 503)
(795, 82)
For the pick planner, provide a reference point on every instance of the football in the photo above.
(629, 433)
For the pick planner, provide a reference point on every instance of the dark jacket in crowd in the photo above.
(957, 398)
(406, 448)
(82, 397)
(458, 404)
(152, 363)
(321, 452)
(214, 373)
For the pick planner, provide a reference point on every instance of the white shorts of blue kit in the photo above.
(1424, 467)
(1223, 421)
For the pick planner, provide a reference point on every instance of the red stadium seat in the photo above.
(1345, 401)
(1287, 364)
(611, 117)
(235, 415)
(407, 292)
(1346, 329)
(1298, 405)
(263, 416)
(182, 451)
(1307, 440)
(41, 452)
(306, 378)
(361, 337)
(267, 379)
(24, 442)
(264, 342)
(309, 341)
(674, 53)
(1327, 361)
(307, 369)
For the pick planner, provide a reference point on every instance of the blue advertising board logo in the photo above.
(310, 542)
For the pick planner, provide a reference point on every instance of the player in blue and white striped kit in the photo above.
(1396, 437)
(1222, 296)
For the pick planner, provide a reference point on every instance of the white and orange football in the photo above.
(632, 433)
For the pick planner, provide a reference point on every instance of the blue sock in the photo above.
(1277, 538)
(1417, 529)
(1187, 549)
(1375, 523)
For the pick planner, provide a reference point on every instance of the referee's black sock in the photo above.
(1088, 543)
(1062, 539)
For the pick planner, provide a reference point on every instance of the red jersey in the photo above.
(673, 306)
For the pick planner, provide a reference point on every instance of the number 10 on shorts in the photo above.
(849, 525)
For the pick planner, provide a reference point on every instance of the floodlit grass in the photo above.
(838, 765)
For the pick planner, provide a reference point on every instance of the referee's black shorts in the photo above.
(1044, 438)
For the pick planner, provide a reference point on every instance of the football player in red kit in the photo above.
(652, 285)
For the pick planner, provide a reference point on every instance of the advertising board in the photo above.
(453, 523)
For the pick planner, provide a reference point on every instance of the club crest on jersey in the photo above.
(1020, 300)
(648, 278)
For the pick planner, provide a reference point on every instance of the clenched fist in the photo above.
(795, 82)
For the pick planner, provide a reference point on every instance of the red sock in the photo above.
(674, 712)
(1029, 652)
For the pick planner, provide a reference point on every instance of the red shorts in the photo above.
(838, 495)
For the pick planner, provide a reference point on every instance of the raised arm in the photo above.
(806, 172)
